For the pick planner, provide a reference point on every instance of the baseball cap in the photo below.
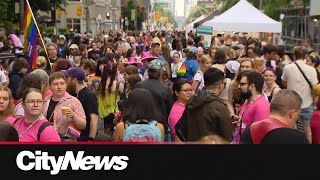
(233, 66)
(157, 65)
(193, 50)
(73, 46)
(75, 72)
(235, 47)
(62, 37)
(154, 43)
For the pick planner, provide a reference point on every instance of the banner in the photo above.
(205, 31)
(157, 161)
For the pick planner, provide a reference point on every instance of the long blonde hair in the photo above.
(203, 61)
(9, 110)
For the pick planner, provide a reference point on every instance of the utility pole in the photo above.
(86, 8)
(55, 18)
(261, 5)
(114, 9)
(21, 9)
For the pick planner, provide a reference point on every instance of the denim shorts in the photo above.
(306, 115)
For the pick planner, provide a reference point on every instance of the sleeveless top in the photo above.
(271, 95)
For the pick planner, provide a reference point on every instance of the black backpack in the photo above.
(41, 128)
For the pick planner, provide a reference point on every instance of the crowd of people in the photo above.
(160, 86)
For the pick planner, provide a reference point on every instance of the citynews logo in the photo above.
(42, 161)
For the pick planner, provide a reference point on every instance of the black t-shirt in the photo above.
(51, 107)
(277, 136)
(89, 103)
(95, 55)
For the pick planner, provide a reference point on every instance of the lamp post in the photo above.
(86, 8)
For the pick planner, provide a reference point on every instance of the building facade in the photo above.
(301, 27)
(96, 16)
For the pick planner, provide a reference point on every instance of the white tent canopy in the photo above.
(189, 27)
(244, 17)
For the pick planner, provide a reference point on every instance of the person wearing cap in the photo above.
(161, 93)
(61, 98)
(190, 66)
(206, 113)
(239, 49)
(148, 56)
(72, 48)
(63, 49)
(231, 69)
(75, 83)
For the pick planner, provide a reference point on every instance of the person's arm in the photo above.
(230, 99)
(78, 115)
(78, 121)
(121, 88)
(161, 127)
(284, 77)
(93, 125)
(118, 132)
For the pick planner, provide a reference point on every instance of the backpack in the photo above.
(41, 128)
(142, 131)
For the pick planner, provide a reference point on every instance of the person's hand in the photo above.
(69, 113)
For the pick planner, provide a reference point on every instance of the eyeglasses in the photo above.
(71, 49)
(34, 102)
(187, 90)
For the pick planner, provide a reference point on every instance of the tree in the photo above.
(196, 12)
(10, 19)
(270, 7)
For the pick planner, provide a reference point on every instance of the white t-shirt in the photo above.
(199, 77)
(296, 81)
(3, 77)
(175, 68)
(225, 93)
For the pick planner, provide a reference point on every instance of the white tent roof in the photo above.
(189, 27)
(244, 17)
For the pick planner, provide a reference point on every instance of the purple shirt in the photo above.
(249, 113)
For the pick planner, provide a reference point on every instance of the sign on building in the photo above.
(205, 31)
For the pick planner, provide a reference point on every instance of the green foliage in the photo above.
(198, 11)
(46, 5)
(271, 7)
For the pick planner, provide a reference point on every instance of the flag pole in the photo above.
(35, 22)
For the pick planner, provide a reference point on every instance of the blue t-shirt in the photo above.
(191, 67)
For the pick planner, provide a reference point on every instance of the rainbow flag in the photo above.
(31, 37)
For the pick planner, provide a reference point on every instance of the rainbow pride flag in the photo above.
(31, 37)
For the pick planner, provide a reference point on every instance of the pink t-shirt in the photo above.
(315, 127)
(254, 112)
(49, 134)
(174, 116)
(10, 119)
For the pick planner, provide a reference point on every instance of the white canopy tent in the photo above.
(244, 17)
(189, 27)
